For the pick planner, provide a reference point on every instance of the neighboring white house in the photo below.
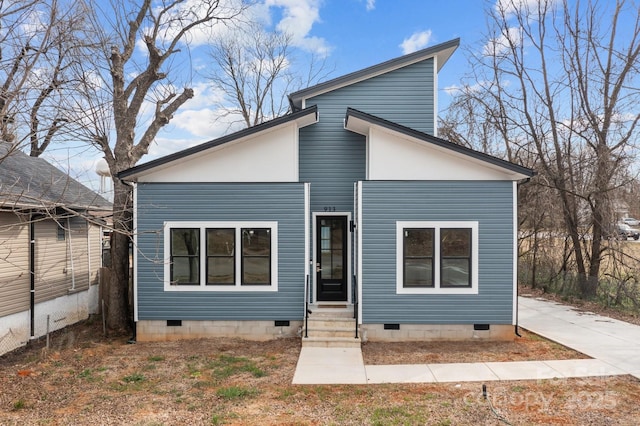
(50, 248)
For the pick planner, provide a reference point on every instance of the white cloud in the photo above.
(502, 44)
(478, 87)
(191, 10)
(192, 127)
(197, 122)
(371, 4)
(298, 17)
(452, 90)
(204, 95)
(416, 42)
(510, 7)
(201, 118)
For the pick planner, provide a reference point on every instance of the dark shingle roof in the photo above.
(32, 183)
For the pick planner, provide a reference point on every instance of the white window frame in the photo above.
(203, 226)
(437, 226)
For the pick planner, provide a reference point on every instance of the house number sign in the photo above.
(329, 208)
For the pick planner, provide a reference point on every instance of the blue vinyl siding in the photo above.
(332, 158)
(488, 202)
(280, 202)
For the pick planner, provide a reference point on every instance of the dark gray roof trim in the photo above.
(296, 98)
(220, 141)
(438, 141)
(31, 183)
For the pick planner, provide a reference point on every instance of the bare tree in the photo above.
(559, 81)
(143, 96)
(40, 41)
(254, 70)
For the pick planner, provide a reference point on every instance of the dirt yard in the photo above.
(85, 379)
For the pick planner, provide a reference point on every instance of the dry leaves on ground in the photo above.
(85, 379)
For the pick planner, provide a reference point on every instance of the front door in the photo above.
(331, 258)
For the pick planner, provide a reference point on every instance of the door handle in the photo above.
(318, 268)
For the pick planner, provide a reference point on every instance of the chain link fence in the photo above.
(49, 317)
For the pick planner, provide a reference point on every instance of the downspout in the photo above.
(70, 244)
(32, 274)
(522, 182)
(88, 254)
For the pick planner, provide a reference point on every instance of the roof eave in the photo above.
(303, 117)
(355, 121)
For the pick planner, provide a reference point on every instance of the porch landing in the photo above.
(331, 326)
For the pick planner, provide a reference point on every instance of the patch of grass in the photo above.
(286, 393)
(134, 378)
(89, 376)
(19, 405)
(220, 419)
(204, 384)
(236, 392)
(396, 416)
(156, 358)
(226, 366)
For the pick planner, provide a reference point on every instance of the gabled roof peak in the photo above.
(304, 118)
(443, 51)
(359, 122)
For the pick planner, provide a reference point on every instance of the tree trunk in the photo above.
(118, 314)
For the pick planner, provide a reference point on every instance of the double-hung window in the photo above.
(185, 256)
(221, 251)
(221, 256)
(437, 257)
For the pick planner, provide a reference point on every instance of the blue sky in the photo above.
(359, 37)
(352, 34)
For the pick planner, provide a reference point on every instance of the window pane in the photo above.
(418, 242)
(185, 241)
(256, 270)
(332, 267)
(221, 242)
(185, 270)
(221, 270)
(455, 242)
(455, 273)
(185, 261)
(418, 273)
(256, 241)
(256, 256)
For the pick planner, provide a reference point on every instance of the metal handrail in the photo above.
(355, 302)
(307, 311)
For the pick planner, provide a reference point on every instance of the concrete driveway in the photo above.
(614, 342)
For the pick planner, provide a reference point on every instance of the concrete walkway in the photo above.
(614, 345)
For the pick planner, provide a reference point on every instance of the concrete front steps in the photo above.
(331, 326)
